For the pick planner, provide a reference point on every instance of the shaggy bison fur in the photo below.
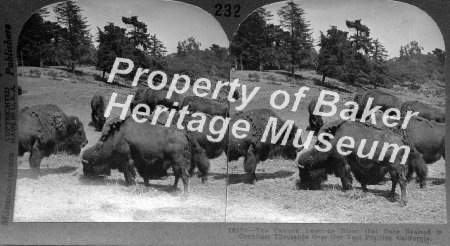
(205, 105)
(315, 121)
(152, 98)
(151, 149)
(426, 111)
(380, 98)
(98, 111)
(251, 147)
(45, 130)
(368, 171)
(428, 139)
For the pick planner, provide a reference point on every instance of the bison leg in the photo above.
(344, 172)
(129, 172)
(177, 173)
(417, 164)
(36, 156)
(250, 161)
(364, 188)
(398, 176)
(185, 178)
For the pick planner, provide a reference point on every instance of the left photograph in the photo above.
(118, 104)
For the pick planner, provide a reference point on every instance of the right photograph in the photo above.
(342, 115)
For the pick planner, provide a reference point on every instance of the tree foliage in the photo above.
(299, 40)
(75, 32)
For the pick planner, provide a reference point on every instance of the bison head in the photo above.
(76, 137)
(312, 167)
(93, 163)
(312, 179)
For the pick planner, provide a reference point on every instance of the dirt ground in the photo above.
(62, 194)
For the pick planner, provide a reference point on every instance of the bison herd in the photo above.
(151, 149)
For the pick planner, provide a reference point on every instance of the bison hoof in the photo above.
(204, 180)
(402, 203)
(391, 197)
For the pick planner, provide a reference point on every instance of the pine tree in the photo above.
(75, 33)
(360, 40)
(299, 40)
(112, 43)
(379, 52)
(138, 33)
(36, 40)
(250, 45)
(157, 48)
(334, 55)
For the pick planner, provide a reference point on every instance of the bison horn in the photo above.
(300, 166)
(84, 161)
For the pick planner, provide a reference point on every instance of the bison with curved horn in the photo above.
(252, 148)
(45, 130)
(151, 149)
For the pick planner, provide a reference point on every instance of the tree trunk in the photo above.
(103, 75)
(240, 57)
(323, 79)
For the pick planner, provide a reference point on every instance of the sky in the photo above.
(170, 21)
(393, 23)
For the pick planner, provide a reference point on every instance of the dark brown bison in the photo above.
(205, 105)
(380, 98)
(45, 130)
(252, 148)
(368, 171)
(315, 121)
(212, 149)
(426, 111)
(152, 98)
(151, 149)
(427, 138)
(98, 111)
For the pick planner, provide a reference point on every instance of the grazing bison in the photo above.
(156, 97)
(315, 121)
(427, 138)
(45, 130)
(380, 98)
(425, 110)
(98, 111)
(252, 148)
(367, 171)
(205, 105)
(151, 149)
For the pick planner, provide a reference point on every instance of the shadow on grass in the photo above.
(34, 174)
(436, 181)
(242, 177)
(139, 187)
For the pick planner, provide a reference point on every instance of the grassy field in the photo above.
(63, 194)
